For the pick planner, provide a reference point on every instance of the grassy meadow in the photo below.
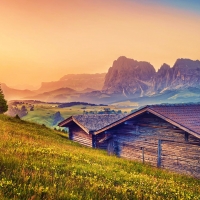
(39, 163)
(43, 113)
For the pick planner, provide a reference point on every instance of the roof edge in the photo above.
(70, 119)
(66, 121)
(80, 125)
(142, 110)
(174, 123)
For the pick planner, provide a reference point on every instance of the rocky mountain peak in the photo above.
(186, 65)
(185, 73)
(164, 67)
(131, 78)
(186, 61)
(128, 77)
(162, 79)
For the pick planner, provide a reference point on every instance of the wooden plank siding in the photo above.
(137, 139)
(181, 157)
(79, 135)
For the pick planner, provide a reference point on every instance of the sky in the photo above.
(43, 40)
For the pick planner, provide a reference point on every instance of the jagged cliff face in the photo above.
(185, 73)
(162, 79)
(129, 77)
(132, 78)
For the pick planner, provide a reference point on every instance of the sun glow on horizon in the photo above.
(42, 40)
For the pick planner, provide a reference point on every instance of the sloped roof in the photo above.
(184, 116)
(187, 115)
(93, 122)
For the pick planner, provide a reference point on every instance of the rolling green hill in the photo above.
(43, 113)
(39, 163)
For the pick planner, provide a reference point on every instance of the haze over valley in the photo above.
(127, 79)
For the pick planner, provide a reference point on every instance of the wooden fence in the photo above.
(176, 156)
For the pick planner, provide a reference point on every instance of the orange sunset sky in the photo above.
(42, 40)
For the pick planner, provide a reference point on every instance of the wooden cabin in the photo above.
(82, 127)
(165, 136)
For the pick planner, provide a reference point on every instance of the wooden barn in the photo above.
(165, 136)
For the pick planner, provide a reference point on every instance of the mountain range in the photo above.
(127, 79)
(133, 78)
(11, 93)
(77, 82)
(68, 84)
(138, 81)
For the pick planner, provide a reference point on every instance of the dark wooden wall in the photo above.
(104, 138)
(78, 135)
(138, 138)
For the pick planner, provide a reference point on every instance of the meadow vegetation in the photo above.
(39, 163)
(43, 113)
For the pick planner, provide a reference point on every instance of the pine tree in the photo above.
(3, 102)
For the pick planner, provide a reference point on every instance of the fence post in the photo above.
(143, 154)
(159, 153)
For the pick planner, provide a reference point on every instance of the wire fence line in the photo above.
(183, 157)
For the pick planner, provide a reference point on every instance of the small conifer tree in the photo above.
(3, 102)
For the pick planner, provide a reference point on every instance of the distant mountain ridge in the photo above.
(58, 95)
(131, 78)
(78, 83)
(185, 73)
(75, 81)
(11, 93)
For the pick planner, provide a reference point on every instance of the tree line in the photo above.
(3, 102)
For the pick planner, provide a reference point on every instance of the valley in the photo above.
(50, 114)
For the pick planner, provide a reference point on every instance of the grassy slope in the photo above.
(42, 113)
(39, 163)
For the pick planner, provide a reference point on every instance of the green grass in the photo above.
(42, 113)
(40, 163)
(127, 104)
